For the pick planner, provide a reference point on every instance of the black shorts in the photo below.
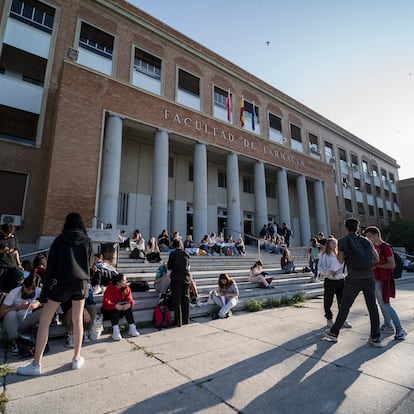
(77, 290)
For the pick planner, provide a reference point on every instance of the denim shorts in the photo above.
(64, 292)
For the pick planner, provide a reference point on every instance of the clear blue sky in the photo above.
(351, 61)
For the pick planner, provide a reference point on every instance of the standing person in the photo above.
(118, 302)
(66, 278)
(179, 264)
(9, 258)
(359, 254)
(227, 295)
(313, 252)
(334, 279)
(286, 232)
(384, 282)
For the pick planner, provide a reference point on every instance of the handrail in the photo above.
(244, 236)
(33, 253)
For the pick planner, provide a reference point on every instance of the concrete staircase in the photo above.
(205, 271)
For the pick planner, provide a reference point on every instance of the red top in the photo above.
(384, 250)
(114, 295)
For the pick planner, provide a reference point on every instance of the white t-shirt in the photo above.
(14, 298)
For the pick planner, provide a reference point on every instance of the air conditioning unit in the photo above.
(73, 54)
(314, 148)
(10, 218)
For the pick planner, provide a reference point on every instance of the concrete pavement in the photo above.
(272, 361)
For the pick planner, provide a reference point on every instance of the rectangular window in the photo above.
(14, 185)
(381, 212)
(361, 209)
(392, 178)
(188, 82)
(190, 172)
(375, 171)
(147, 64)
(378, 191)
(123, 203)
(371, 211)
(96, 41)
(368, 188)
(220, 97)
(270, 189)
(384, 176)
(170, 167)
(247, 185)
(365, 168)
(348, 205)
(394, 198)
(357, 184)
(275, 122)
(33, 13)
(221, 179)
(17, 124)
(342, 154)
(387, 194)
(295, 133)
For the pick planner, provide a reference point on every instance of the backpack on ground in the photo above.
(360, 253)
(162, 316)
(397, 272)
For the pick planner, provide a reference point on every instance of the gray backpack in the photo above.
(360, 254)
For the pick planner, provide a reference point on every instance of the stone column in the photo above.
(233, 196)
(303, 206)
(200, 192)
(283, 198)
(159, 200)
(260, 198)
(320, 208)
(110, 171)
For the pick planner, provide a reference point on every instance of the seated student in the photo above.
(240, 246)
(227, 295)
(137, 242)
(102, 272)
(162, 279)
(287, 263)
(123, 240)
(189, 246)
(21, 310)
(257, 275)
(204, 244)
(230, 247)
(164, 241)
(117, 303)
(39, 266)
(152, 251)
(89, 313)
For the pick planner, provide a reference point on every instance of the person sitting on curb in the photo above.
(227, 295)
(257, 275)
(162, 280)
(117, 303)
(21, 310)
(287, 263)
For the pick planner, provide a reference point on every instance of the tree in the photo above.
(400, 233)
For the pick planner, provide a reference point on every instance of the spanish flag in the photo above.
(229, 106)
(242, 111)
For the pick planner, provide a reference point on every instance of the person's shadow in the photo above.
(316, 384)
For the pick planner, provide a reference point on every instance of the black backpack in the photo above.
(397, 272)
(360, 253)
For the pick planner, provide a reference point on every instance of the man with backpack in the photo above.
(384, 282)
(359, 256)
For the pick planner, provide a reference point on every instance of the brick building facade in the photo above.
(107, 111)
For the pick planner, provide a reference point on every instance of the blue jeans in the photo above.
(387, 310)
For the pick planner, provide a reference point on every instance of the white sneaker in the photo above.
(346, 325)
(78, 363)
(116, 334)
(133, 330)
(97, 290)
(30, 369)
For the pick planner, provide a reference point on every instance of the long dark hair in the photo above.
(74, 222)
(229, 280)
